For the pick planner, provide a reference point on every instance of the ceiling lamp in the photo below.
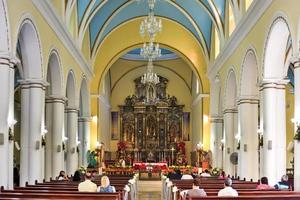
(150, 26)
(150, 51)
(150, 77)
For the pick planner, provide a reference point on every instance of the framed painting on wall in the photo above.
(114, 126)
(186, 126)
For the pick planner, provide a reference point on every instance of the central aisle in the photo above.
(149, 190)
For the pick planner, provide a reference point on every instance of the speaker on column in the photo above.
(1, 138)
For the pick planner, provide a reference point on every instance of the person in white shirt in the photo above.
(228, 191)
(205, 174)
(87, 185)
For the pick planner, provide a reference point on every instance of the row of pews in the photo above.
(126, 188)
(247, 190)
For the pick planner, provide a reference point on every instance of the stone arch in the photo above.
(230, 90)
(54, 74)
(275, 49)
(4, 31)
(30, 50)
(71, 90)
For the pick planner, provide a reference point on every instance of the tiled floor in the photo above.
(149, 190)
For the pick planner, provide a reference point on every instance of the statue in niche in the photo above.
(174, 132)
(151, 132)
(129, 133)
(150, 157)
(151, 93)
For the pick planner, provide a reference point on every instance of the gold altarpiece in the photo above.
(151, 127)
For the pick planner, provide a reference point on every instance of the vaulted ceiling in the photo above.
(100, 17)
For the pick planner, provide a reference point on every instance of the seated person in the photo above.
(87, 185)
(105, 185)
(177, 175)
(228, 191)
(222, 175)
(205, 173)
(187, 176)
(264, 185)
(62, 176)
(283, 184)
(196, 191)
(77, 176)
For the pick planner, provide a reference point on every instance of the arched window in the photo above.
(231, 20)
(217, 42)
(247, 4)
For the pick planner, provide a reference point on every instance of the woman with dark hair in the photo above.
(264, 184)
(77, 176)
(62, 176)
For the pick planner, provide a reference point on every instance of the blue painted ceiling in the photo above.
(197, 16)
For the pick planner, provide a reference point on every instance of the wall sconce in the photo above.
(261, 137)
(11, 124)
(95, 118)
(44, 132)
(64, 143)
(238, 138)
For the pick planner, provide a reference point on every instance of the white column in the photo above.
(229, 131)
(6, 116)
(48, 137)
(84, 136)
(216, 123)
(297, 117)
(248, 118)
(58, 130)
(33, 95)
(72, 128)
(274, 130)
(54, 149)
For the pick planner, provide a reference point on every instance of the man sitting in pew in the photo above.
(87, 185)
(196, 191)
(228, 191)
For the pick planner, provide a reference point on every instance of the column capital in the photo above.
(230, 110)
(9, 59)
(84, 119)
(216, 119)
(295, 60)
(71, 109)
(248, 100)
(33, 83)
(275, 83)
(55, 99)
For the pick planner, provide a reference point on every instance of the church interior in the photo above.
(137, 90)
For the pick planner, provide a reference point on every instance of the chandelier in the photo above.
(150, 26)
(150, 51)
(150, 77)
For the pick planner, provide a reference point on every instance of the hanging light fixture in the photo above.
(150, 77)
(150, 26)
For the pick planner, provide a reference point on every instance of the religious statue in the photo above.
(91, 159)
(150, 157)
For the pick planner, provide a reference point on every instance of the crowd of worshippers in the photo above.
(227, 191)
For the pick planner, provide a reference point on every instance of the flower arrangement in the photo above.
(82, 170)
(122, 146)
(297, 135)
(216, 171)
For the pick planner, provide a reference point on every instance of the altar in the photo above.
(150, 171)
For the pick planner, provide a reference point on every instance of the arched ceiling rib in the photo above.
(100, 17)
